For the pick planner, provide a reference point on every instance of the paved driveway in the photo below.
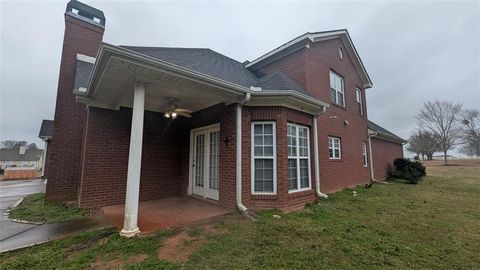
(15, 235)
(10, 193)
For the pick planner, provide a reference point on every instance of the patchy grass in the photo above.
(102, 249)
(33, 208)
(434, 224)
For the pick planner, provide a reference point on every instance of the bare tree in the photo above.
(423, 143)
(16, 144)
(470, 126)
(441, 119)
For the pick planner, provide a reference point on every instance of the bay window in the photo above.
(263, 158)
(298, 145)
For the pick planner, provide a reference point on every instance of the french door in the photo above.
(205, 162)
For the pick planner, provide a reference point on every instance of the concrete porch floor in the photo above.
(164, 213)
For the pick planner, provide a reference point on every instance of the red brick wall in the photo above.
(104, 174)
(316, 63)
(65, 149)
(383, 154)
(282, 200)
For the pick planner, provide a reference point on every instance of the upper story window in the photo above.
(334, 148)
(364, 154)
(263, 158)
(337, 89)
(359, 101)
(298, 144)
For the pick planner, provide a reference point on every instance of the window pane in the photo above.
(258, 129)
(268, 151)
(292, 174)
(268, 140)
(258, 151)
(333, 95)
(330, 152)
(258, 140)
(304, 181)
(337, 153)
(267, 129)
(340, 99)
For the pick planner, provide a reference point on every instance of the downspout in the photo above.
(372, 177)
(238, 152)
(315, 157)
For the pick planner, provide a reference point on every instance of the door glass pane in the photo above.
(214, 155)
(199, 159)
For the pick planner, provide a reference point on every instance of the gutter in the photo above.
(238, 153)
(316, 159)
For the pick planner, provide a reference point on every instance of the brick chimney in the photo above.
(84, 27)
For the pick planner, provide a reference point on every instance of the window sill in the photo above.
(299, 190)
(335, 159)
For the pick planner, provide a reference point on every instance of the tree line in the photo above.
(12, 144)
(442, 126)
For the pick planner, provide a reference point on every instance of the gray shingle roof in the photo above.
(384, 132)
(207, 62)
(46, 130)
(279, 81)
(7, 154)
(82, 74)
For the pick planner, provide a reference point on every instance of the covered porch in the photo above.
(136, 153)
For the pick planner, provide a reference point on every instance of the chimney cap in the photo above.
(85, 12)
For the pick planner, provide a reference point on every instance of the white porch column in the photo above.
(130, 227)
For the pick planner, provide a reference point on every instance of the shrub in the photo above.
(403, 168)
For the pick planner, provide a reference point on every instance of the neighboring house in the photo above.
(144, 123)
(385, 147)
(45, 134)
(21, 157)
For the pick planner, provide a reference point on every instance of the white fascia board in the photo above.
(85, 58)
(292, 93)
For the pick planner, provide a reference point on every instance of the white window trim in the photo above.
(252, 158)
(358, 94)
(364, 154)
(336, 91)
(333, 147)
(298, 157)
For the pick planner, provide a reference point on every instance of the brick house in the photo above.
(142, 123)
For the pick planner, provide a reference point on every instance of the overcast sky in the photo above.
(413, 51)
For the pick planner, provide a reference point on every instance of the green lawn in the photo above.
(435, 224)
(33, 208)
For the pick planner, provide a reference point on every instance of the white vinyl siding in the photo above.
(359, 101)
(264, 158)
(334, 148)
(298, 145)
(364, 154)
(337, 89)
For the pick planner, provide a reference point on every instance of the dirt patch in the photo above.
(118, 263)
(179, 247)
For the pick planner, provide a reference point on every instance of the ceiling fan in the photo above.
(172, 110)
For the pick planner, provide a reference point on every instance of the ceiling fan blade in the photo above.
(184, 114)
(183, 110)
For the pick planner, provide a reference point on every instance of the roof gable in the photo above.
(305, 40)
